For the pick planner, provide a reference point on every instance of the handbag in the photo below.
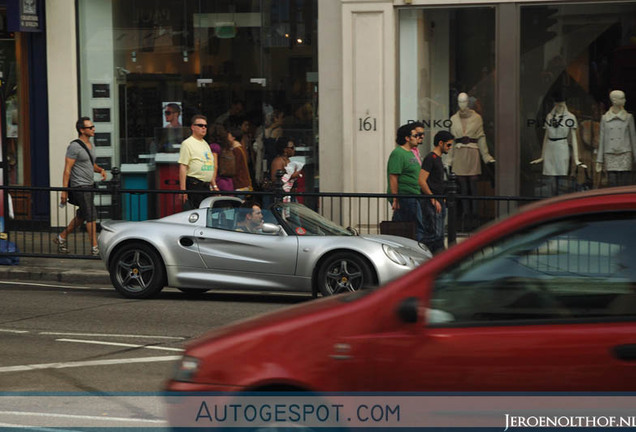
(579, 185)
(402, 229)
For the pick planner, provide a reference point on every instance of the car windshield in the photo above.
(304, 221)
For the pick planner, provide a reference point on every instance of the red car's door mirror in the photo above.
(407, 310)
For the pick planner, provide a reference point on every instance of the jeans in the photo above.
(434, 223)
(468, 186)
(411, 211)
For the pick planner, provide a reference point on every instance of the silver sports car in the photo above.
(295, 249)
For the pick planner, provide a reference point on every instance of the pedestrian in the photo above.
(242, 179)
(292, 170)
(197, 163)
(403, 171)
(432, 183)
(416, 150)
(79, 166)
(222, 149)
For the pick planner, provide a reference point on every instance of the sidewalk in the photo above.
(76, 271)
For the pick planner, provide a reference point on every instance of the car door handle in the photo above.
(625, 352)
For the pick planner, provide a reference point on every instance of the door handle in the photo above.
(625, 352)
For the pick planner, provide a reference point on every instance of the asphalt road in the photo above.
(71, 338)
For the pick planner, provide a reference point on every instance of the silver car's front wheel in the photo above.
(343, 272)
(137, 271)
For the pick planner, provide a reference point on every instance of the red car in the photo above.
(544, 300)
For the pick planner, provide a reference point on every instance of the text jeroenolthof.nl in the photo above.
(568, 421)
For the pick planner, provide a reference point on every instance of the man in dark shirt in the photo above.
(251, 218)
(431, 182)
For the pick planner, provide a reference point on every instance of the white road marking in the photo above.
(111, 335)
(79, 417)
(42, 284)
(22, 368)
(120, 344)
(13, 331)
(35, 428)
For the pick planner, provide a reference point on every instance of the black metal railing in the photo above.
(38, 217)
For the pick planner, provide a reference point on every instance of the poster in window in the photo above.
(171, 115)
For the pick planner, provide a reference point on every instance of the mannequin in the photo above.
(470, 141)
(560, 135)
(617, 142)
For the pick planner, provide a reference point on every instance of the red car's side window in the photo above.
(578, 268)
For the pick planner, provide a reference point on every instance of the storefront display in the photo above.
(581, 52)
(448, 56)
(228, 60)
(569, 57)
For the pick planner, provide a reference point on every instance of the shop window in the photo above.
(156, 64)
(447, 82)
(572, 57)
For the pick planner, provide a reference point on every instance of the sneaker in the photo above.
(61, 244)
(95, 251)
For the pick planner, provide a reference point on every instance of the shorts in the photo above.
(85, 200)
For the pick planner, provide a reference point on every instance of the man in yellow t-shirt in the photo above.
(197, 163)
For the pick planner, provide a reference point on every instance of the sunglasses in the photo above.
(418, 135)
(88, 127)
(201, 125)
(169, 112)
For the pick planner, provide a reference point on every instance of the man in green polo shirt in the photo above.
(403, 170)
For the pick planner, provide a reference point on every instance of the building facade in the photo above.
(409, 60)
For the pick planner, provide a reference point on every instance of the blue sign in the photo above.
(25, 15)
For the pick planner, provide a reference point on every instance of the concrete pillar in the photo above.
(61, 47)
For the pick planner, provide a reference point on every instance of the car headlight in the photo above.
(186, 369)
(425, 248)
(394, 255)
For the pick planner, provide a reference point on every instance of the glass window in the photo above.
(572, 57)
(572, 268)
(15, 150)
(147, 67)
(305, 222)
(447, 82)
(236, 219)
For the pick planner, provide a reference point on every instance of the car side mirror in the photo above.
(270, 228)
(353, 231)
(407, 310)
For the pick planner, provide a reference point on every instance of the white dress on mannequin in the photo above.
(560, 136)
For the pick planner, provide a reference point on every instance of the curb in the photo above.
(37, 273)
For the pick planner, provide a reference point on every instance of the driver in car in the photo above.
(250, 218)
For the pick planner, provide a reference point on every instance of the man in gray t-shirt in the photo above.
(79, 167)
(82, 170)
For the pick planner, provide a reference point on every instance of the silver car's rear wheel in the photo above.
(137, 271)
(343, 272)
